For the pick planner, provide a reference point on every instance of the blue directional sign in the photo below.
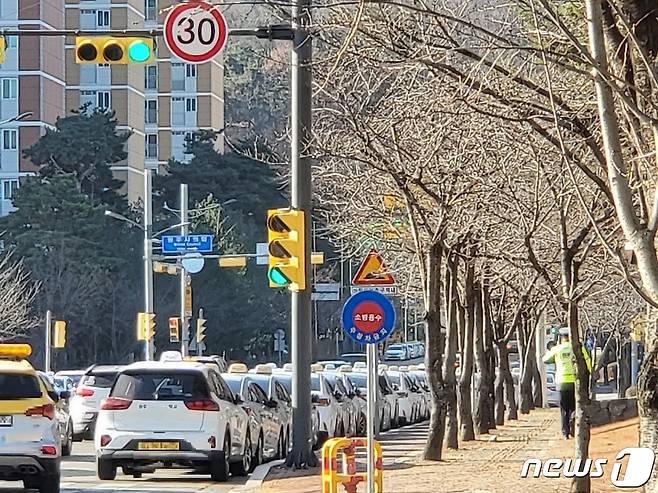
(368, 317)
(185, 244)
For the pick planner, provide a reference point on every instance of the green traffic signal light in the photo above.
(277, 277)
(139, 51)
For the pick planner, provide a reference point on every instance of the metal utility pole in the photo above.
(301, 95)
(149, 346)
(184, 278)
(48, 333)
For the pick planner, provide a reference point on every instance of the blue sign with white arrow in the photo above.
(186, 244)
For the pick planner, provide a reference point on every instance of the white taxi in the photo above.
(165, 414)
(30, 443)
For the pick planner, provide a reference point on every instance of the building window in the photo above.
(151, 111)
(190, 70)
(9, 187)
(190, 104)
(87, 73)
(177, 76)
(151, 145)
(12, 42)
(103, 100)
(150, 13)
(10, 140)
(151, 77)
(178, 111)
(87, 19)
(9, 88)
(102, 18)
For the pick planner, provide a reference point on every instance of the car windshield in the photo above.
(156, 386)
(235, 384)
(16, 386)
(395, 379)
(263, 382)
(315, 383)
(395, 347)
(102, 380)
(359, 380)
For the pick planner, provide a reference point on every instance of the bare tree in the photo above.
(17, 294)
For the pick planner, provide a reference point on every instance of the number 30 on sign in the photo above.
(195, 31)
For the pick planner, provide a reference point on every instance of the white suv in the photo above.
(161, 414)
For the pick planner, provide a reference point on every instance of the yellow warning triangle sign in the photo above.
(373, 271)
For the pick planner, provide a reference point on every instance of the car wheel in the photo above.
(282, 446)
(106, 469)
(78, 437)
(362, 427)
(243, 467)
(67, 446)
(219, 465)
(49, 484)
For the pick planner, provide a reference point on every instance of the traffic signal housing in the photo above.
(114, 50)
(174, 329)
(200, 330)
(286, 248)
(145, 326)
(59, 336)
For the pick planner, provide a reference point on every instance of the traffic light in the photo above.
(59, 337)
(200, 330)
(285, 236)
(174, 329)
(110, 49)
(165, 268)
(145, 326)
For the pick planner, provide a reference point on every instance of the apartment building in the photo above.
(161, 103)
(32, 85)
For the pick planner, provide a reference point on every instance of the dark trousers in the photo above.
(567, 407)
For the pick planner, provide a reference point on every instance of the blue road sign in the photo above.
(368, 317)
(185, 244)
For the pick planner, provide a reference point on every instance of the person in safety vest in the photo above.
(565, 377)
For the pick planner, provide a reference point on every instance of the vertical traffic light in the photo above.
(145, 326)
(117, 50)
(59, 337)
(200, 330)
(174, 329)
(285, 236)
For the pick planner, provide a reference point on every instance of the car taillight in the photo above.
(105, 439)
(201, 405)
(212, 441)
(47, 411)
(48, 450)
(84, 392)
(115, 404)
(323, 401)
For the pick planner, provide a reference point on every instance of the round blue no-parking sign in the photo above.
(368, 317)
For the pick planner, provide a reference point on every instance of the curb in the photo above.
(258, 476)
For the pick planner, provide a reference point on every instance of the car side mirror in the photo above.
(53, 395)
(338, 395)
(65, 394)
(396, 388)
(238, 400)
(357, 392)
(315, 398)
(272, 404)
(351, 395)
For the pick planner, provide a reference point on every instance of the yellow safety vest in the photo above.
(565, 362)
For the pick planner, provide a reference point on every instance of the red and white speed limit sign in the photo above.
(195, 31)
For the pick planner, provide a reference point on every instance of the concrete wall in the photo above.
(610, 411)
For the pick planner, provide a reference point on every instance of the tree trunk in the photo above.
(464, 394)
(452, 300)
(499, 406)
(583, 402)
(527, 361)
(537, 390)
(481, 416)
(434, 355)
(489, 357)
(638, 236)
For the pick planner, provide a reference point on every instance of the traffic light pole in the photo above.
(184, 318)
(149, 345)
(301, 95)
(47, 346)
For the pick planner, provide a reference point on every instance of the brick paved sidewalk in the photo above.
(491, 464)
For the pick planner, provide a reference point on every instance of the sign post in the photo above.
(369, 318)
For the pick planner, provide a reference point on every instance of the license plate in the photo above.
(6, 420)
(158, 446)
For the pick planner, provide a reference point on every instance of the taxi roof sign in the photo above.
(263, 370)
(373, 271)
(238, 368)
(15, 351)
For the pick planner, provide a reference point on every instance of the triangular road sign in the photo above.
(373, 271)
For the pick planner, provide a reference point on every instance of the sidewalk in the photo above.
(491, 464)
